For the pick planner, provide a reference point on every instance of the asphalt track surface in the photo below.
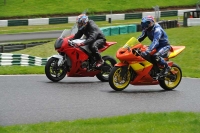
(33, 98)
(29, 36)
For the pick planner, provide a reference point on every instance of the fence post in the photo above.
(2, 48)
(197, 6)
(156, 8)
(110, 19)
(25, 46)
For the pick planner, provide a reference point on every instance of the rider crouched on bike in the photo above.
(94, 36)
(159, 41)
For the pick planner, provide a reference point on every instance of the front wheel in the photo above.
(173, 78)
(54, 72)
(109, 63)
(119, 79)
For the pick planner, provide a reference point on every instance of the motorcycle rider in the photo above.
(159, 41)
(94, 36)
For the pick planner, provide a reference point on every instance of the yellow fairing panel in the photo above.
(176, 50)
(140, 66)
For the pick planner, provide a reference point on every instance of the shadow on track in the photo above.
(75, 82)
(146, 91)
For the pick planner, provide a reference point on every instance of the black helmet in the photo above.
(81, 21)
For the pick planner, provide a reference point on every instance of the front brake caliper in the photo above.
(124, 70)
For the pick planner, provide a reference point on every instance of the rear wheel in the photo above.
(172, 80)
(119, 81)
(106, 68)
(54, 72)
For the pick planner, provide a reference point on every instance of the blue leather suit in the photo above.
(159, 41)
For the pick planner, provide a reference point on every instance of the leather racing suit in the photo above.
(94, 38)
(159, 41)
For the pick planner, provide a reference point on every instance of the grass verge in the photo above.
(172, 122)
(46, 8)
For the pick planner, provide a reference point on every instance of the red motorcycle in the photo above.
(76, 61)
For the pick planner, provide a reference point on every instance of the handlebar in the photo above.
(136, 51)
(71, 43)
(74, 42)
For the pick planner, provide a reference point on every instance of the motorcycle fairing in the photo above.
(175, 50)
(142, 70)
(106, 45)
(78, 55)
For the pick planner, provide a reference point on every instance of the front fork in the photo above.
(124, 70)
(63, 61)
(59, 57)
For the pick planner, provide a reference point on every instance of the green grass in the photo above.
(174, 122)
(15, 70)
(33, 8)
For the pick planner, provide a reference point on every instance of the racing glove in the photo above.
(146, 53)
(79, 44)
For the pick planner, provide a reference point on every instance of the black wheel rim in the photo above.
(55, 70)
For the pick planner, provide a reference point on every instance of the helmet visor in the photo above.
(80, 25)
(145, 25)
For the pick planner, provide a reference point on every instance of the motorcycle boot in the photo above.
(165, 67)
(165, 70)
(162, 73)
(99, 63)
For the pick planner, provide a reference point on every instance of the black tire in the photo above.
(54, 72)
(110, 63)
(117, 82)
(171, 81)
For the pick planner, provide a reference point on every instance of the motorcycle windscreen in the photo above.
(130, 43)
(65, 33)
(68, 32)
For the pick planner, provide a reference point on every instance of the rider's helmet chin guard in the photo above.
(147, 22)
(81, 21)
